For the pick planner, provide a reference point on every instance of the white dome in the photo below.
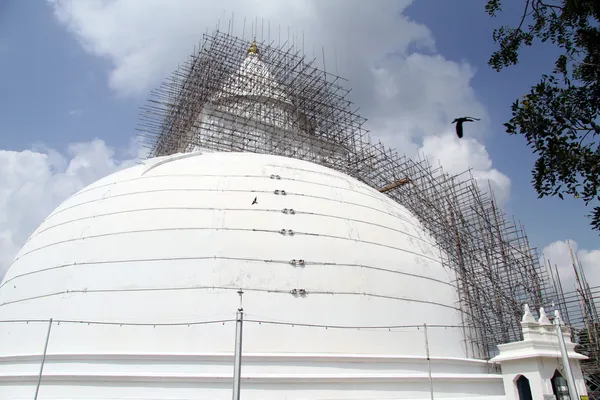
(172, 241)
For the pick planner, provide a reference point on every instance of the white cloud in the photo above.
(422, 94)
(456, 156)
(558, 254)
(145, 43)
(34, 182)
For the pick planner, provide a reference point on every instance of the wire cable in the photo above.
(224, 321)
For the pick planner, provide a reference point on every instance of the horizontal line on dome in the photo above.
(408, 221)
(86, 190)
(309, 292)
(299, 233)
(154, 191)
(374, 194)
(297, 211)
(234, 191)
(357, 327)
(320, 358)
(414, 328)
(251, 378)
(325, 173)
(210, 190)
(283, 179)
(257, 260)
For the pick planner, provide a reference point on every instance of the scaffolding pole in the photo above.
(237, 359)
(565, 358)
(39, 380)
(428, 360)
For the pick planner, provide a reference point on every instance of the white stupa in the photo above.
(140, 273)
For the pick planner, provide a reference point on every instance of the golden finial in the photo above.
(253, 48)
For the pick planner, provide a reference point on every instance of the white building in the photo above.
(140, 273)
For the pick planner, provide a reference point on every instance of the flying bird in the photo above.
(255, 201)
(459, 122)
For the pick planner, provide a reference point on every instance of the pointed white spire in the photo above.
(544, 320)
(252, 80)
(527, 316)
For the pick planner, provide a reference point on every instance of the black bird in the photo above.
(255, 201)
(459, 122)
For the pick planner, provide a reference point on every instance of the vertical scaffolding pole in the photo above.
(428, 360)
(565, 358)
(237, 363)
(37, 388)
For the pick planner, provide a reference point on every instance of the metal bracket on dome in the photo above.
(298, 292)
(281, 192)
(298, 262)
(288, 211)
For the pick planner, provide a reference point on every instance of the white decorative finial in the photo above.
(557, 317)
(527, 316)
(544, 320)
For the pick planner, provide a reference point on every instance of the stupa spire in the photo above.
(253, 48)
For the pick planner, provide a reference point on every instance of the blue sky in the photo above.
(55, 91)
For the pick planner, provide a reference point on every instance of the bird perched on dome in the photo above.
(459, 122)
